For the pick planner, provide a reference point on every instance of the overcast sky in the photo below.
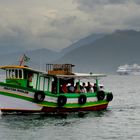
(56, 24)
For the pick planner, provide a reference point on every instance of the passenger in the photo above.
(89, 87)
(54, 89)
(77, 88)
(101, 88)
(71, 88)
(83, 88)
(95, 87)
(64, 88)
(30, 80)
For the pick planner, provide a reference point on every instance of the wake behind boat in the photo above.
(55, 91)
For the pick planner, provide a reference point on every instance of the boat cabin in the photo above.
(51, 81)
(26, 77)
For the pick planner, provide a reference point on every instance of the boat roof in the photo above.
(21, 67)
(75, 75)
(81, 76)
(13, 66)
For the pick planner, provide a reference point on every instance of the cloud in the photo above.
(56, 24)
(34, 22)
(110, 15)
(93, 4)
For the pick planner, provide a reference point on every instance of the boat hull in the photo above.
(56, 109)
(14, 101)
(23, 106)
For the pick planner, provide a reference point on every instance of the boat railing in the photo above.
(65, 69)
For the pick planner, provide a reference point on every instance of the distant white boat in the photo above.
(129, 69)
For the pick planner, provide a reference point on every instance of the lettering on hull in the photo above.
(14, 89)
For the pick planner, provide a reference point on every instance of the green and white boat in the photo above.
(32, 91)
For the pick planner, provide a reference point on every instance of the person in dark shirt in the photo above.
(95, 87)
(89, 87)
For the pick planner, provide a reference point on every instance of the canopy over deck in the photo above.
(74, 75)
(81, 76)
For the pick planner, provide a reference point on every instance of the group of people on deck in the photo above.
(69, 86)
(78, 88)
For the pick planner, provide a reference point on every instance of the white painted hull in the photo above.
(11, 103)
(12, 99)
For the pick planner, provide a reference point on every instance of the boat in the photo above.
(27, 90)
(126, 69)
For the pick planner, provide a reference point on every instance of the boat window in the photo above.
(41, 83)
(50, 84)
(20, 73)
(46, 84)
(7, 74)
(34, 80)
(11, 73)
(16, 73)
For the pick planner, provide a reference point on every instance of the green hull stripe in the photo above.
(74, 105)
(71, 95)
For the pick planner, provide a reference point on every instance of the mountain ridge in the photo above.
(106, 53)
(103, 54)
(84, 41)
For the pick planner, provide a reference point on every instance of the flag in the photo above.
(26, 59)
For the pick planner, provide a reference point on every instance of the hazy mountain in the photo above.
(38, 57)
(103, 54)
(107, 53)
(82, 42)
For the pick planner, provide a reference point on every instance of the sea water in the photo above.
(121, 121)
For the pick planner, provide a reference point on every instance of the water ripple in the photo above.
(119, 122)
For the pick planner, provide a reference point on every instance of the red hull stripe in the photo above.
(59, 109)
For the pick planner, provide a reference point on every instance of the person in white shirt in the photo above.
(83, 88)
(71, 88)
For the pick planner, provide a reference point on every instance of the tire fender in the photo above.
(100, 95)
(61, 100)
(39, 96)
(82, 99)
(109, 97)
